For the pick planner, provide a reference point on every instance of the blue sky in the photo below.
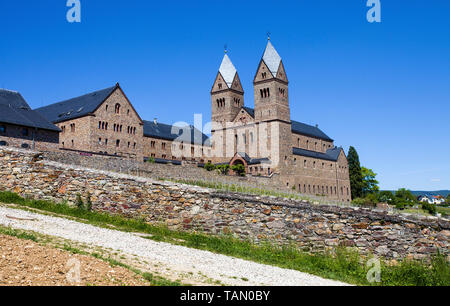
(382, 87)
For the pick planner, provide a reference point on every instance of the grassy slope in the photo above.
(345, 266)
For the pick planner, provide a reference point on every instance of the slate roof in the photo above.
(331, 154)
(75, 107)
(308, 130)
(252, 161)
(272, 59)
(227, 70)
(249, 110)
(187, 134)
(15, 110)
(299, 127)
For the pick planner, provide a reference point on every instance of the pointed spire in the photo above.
(271, 58)
(227, 70)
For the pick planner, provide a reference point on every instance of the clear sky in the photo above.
(383, 88)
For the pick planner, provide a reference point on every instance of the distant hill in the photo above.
(443, 193)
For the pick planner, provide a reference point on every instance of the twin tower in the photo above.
(270, 88)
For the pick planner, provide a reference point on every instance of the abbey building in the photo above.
(266, 140)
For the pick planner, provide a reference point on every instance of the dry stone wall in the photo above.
(311, 227)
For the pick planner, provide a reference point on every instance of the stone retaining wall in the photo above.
(310, 227)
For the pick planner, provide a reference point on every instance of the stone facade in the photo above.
(26, 137)
(114, 128)
(314, 228)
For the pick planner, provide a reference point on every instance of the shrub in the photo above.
(209, 167)
(79, 201)
(88, 202)
(239, 169)
(370, 200)
(400, 205)
(430, 208)
(223, 169)
(151, 160)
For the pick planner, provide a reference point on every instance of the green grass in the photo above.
(18, 233)
(344, 265)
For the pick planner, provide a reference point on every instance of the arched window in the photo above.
(117, 108)
(262, 94)
(99, 124)
(268, 92)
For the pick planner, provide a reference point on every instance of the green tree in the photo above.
(370, 184)
(448, 199)
(386, 197)
(405, 195)
(354, 168)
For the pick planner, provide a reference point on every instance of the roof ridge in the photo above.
(9, 90)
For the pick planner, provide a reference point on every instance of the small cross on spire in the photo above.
(226, 49)
(268, 36)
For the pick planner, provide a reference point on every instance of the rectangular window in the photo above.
(24, 132)
(2, 128)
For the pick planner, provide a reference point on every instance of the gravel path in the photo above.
(229, 270)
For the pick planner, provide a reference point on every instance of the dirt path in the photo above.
(26, 263)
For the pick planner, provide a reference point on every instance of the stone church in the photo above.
(266, 140)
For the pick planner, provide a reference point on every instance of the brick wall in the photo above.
(15, 136)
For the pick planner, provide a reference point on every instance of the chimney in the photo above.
(317, 125)
(155, 121)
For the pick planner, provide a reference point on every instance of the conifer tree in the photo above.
(356, 178)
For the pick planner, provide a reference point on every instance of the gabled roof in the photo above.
(12, 98)
(187, 134)
(15, 110)
(272, 59)
(331, 154)
(227, 70)
(308, 130)
(76, 107)
(250, 111)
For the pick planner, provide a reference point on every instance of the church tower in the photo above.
(227, 94)
(271, 88)
(272, 113)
